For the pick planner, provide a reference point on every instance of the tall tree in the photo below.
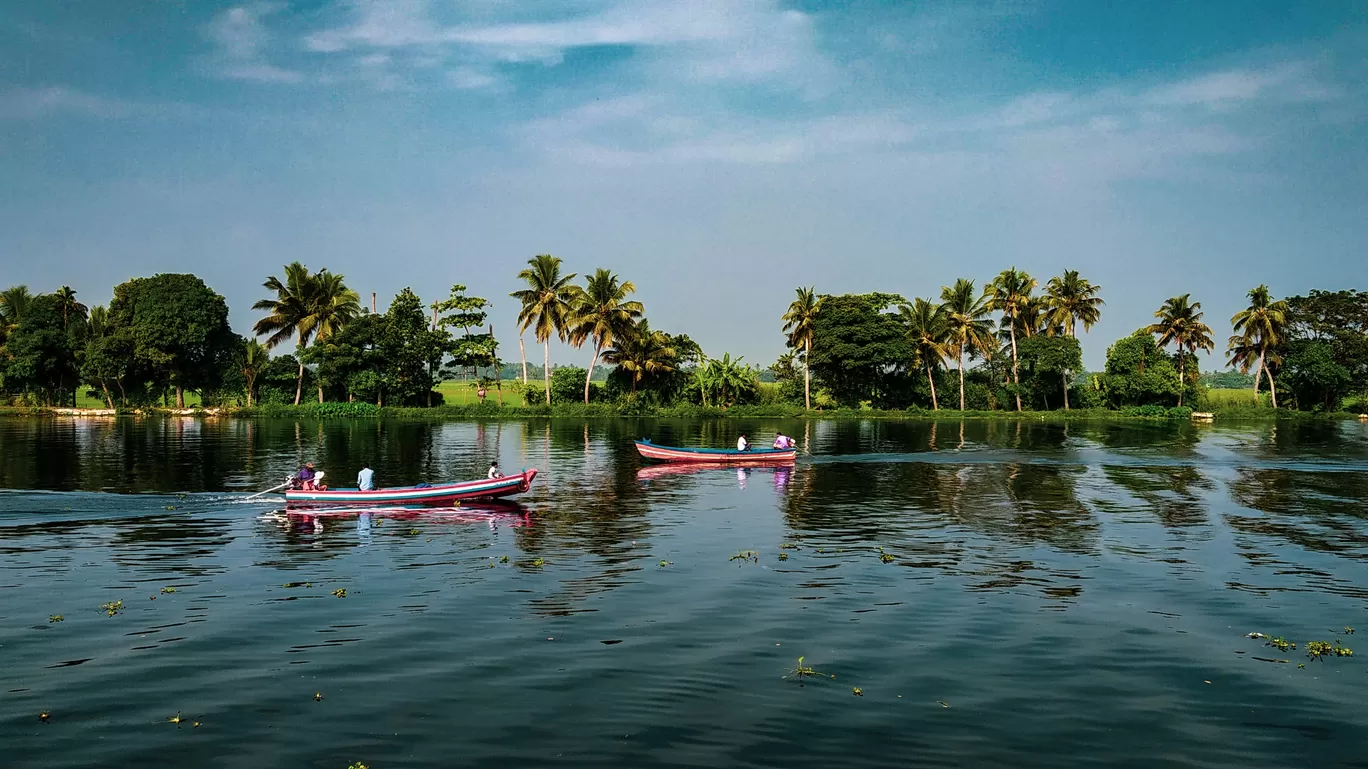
(799, 322)
(600, 313)
(1010, 293)
(860, 350)
(69, 307)
(333, 306)
(967, 325)
(1180, 324)
(1260, 327)
(642, 351)
(99, 330)
(1073, 300)
(545, 306)
(929, 334)
(179, 329)
(252, 360)
(289, 314)
(41, 360)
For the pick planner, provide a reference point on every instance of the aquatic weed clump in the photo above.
(802, 672)
(746, 555)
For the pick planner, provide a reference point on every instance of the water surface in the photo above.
(1054, 596)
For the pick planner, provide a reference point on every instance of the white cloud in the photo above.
(240, 40)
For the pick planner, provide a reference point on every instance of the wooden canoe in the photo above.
(443, 494)
(650, 450)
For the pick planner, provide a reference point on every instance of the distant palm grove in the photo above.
(1008, 345)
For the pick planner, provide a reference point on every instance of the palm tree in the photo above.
(642, 351)
(66, 302)
(252, 361)
(1260, 327)
(290, 314)
(928, 330)
(1073, 300)
(601, 312)
(545, 306)
(14, 301)
(99, 329)
(333, 306)
(1010, 293)
(967, 325)
(1180, 323)
(799, 324)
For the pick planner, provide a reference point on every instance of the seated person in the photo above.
(365, 480)
(494, 471)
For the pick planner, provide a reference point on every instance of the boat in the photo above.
(650, 450)
(441, 494)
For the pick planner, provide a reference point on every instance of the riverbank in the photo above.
(490, 411)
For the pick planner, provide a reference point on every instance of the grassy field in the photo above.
(1219, 399)
(462, 392)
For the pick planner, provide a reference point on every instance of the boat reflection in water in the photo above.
(781, 473)
(491, 513)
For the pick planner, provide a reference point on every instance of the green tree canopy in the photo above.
(857, 346)
(178, 327)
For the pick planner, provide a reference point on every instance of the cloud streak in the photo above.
(240, 39)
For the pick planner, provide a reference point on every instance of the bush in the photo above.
(567, 385)
(1154, 411)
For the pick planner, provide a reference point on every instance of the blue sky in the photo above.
(716, 152)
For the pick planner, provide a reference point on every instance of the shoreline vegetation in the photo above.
(494, 412)
(1007, 348)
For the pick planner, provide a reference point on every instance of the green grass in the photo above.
(1214, 400)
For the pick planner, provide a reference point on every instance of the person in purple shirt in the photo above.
(305, 477)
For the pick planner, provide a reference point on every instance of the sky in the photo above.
(717, 153)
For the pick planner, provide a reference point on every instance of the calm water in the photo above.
(1057, 597)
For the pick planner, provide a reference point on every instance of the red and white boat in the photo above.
(715, 456)
(442, 494)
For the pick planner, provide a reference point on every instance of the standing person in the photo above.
(494, 473)
(365, 480)
(741, 443)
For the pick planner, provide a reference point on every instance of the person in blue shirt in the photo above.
(365, 480)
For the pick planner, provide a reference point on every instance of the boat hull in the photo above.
(444, 494)
(651, 451)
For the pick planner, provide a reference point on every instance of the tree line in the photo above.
(1008, 345)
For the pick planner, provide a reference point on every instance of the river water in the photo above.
(1000, 594)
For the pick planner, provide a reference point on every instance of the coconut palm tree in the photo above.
(253, 358)
(966, 320)
(545, 306)
(66, 302)
(641, 351)
(929, 333)
(1180, 324)
(601, 312)
(1010, 294)
(1260, 327)
(13, 302)
(1073, 300)
(290, 314)
(333, 306)
(799, 324)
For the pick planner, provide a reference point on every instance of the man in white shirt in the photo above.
(365, 480)
(741, 443)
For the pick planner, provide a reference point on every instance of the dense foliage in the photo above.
(1007, 345)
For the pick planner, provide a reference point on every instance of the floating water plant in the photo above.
(1281, 644)
(176, 719)
(664, 563)
(857, 691)
(802, 672)
(1348, 630)
(886, 557)
(358, 764)
(503, 559)
(1320, 649)
(783, 556)
(746, 555)
(318, 696)
(168, 590)
(538, 561)
(789, 546)
(44, 716)
(415, 532)
(113, 607)
(55, 618)
(341, 592)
